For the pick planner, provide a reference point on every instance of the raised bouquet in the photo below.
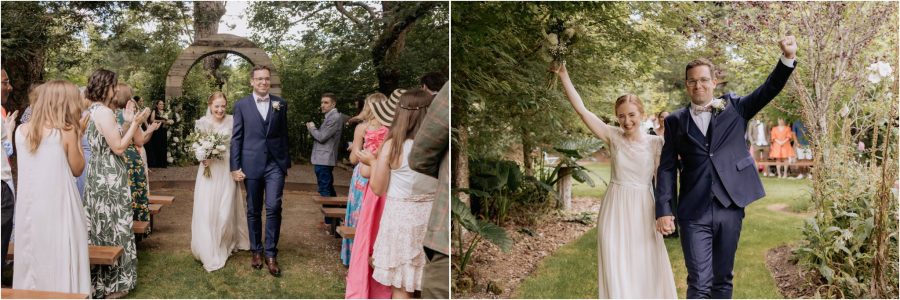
(559, 40)
(209, 145)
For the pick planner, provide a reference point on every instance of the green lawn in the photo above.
(178, 275)
(571, 272)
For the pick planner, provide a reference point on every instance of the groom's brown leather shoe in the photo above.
(256, 262)
(272, 264)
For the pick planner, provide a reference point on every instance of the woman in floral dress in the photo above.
(107, 197)
(137, 182)
(369, 135)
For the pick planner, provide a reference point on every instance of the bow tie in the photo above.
(697, 110)
(262, 99)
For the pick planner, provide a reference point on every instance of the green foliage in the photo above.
(334, 55)
(572, 151)
(494, 182)
(500, 73)
(477, 230)
(184, 111)
(839, 242)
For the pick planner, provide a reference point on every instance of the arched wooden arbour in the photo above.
(217, 44)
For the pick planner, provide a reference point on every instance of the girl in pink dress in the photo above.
(360, 284)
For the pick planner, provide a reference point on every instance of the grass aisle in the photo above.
(179, 275)
(571, 272)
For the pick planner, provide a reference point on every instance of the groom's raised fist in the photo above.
(788, 46)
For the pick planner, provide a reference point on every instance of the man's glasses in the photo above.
(693, 82)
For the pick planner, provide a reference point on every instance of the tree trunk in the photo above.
(564, 187)
(460, 162)
(389, 43)
(207, 15)
(527, 147)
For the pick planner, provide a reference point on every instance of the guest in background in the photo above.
(107, 197)
(368, 135)
(398, 257)
(801, 145)
(327, 139)
(781, 149)
(26, 115)
(137, 182)
(360, 284)
(430, 155)
(8, 197)
(157, 148)
(659, 127)
(85, 146)
(51, 234)
(432, 82)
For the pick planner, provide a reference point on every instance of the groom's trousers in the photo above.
(270, 186)
(709, 244)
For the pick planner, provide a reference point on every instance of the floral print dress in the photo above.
(358, 183)
(137, 180)
(108, 208)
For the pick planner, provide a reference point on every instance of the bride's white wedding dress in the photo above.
(633, 260)
(219, 221)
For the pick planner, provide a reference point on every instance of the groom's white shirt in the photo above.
(702, 119)
(263, 107)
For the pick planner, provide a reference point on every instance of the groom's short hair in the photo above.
(701, 62)
(259, 67)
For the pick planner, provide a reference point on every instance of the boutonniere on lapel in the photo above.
(276, 105)
(718, 105)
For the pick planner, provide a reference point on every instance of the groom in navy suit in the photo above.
(718, 178)
(259, 157)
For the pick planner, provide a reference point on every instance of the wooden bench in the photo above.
(155, 208)
(331, 201)
(160, 199)
(785, 163)
(140, 227)
(26, 294)
(336, 214)
(346, 232)
(98, 255)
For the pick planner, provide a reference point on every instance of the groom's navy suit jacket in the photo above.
(716, 165)
(255, 141)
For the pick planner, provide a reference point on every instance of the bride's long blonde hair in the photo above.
(57, 105)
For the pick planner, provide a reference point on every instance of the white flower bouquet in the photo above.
(559, 41)
(209, 145)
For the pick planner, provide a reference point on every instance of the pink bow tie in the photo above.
(698, 110)
(263, 99)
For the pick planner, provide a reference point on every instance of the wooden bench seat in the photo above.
(155, 209)
(784, 163)
(98, 255)
(26, 294)
(334, 212)
(331, 201)
(346, 232)
(140, 227)
(161, 199)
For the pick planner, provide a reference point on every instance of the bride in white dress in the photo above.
(633, 260)
(219, 221)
